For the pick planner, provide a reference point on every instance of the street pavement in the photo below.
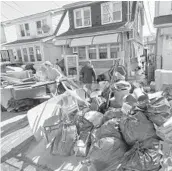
(16, 138)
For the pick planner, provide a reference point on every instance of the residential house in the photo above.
(163, 23)
(33, 36)
(104, 31)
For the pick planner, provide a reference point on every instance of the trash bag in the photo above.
(83, 124)
(65, 141)
(136, 128)
(165, 131)
(158, 111)
(143, 156)
(106, 151)
(85, 166)
(120, 89)
(166, 150)
(96, 118)
(112, 113)
(108, 129)
(96, 102)
(83, 144)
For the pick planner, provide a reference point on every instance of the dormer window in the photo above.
(82, 17)
(111, 12)
(39, 26)
(24, 30)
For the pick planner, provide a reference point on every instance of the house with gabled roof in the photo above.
(34, 34)
(104, 32)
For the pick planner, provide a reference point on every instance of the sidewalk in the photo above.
(16, 138)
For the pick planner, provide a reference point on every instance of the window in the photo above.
(38, 53)
(102, 51)
(39, 27)
(75, 50)
(111, 12)
(19, 55)
(82, 17)
(106, 14)
(27, 29)
(114, 49)
(81, 52)
(24, 30)
(31, 54)
(25, 55)
(92, 52)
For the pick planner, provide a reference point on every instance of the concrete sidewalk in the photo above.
(16, 138)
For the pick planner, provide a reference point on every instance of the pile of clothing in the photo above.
(121, 130)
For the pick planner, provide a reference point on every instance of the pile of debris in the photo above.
(123, 128)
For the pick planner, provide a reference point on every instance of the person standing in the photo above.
(88, 75)
(52, 74)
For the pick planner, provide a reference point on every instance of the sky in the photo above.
(15, 9)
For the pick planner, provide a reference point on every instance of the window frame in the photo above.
(111, 12)
(25, 48)
(116, 46)
(42, 33)
(92, 47)
(24, 28)
(36, 53)
(105, 46)
(30, 54)
(85, 53)
(82, 17)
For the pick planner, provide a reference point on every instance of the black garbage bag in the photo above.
(106, 151)
(143, 156)
(108, 129)
(83, 124)
(136, 128)
(158, 111)
(112, 113)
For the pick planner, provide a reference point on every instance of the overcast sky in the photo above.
(15, 9)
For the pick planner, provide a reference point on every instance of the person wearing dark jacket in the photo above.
(88, 74)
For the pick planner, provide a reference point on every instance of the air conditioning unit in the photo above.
(45, 28)
(75, 49)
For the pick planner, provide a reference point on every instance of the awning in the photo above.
(103, 39)
(62, 42)
(84, 41)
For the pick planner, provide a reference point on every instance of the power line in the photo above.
(4, 16)
(55, 4)
(13, 8)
